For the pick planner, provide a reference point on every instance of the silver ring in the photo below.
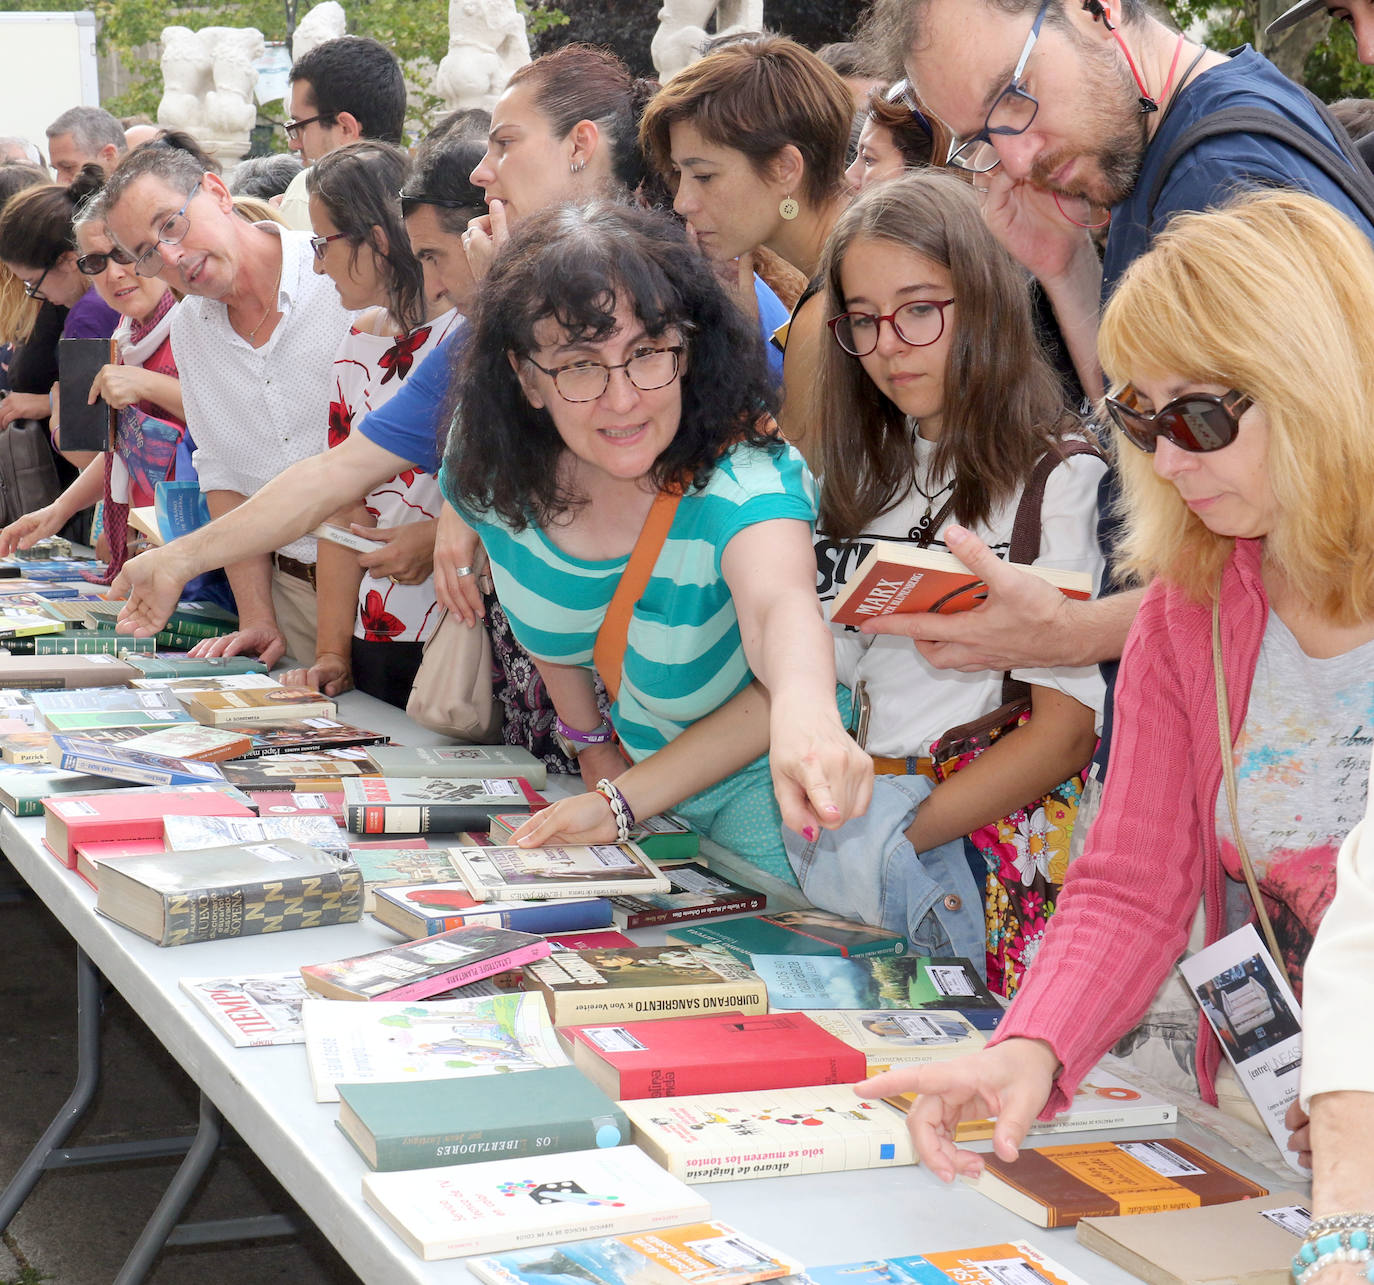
(463, 571)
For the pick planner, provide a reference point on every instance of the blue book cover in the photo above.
(426, 909)
(80, 754)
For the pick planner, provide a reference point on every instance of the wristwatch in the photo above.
(572, 742)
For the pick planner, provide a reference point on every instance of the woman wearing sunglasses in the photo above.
(375, 609)
(938, 404)
(144, 379)
(1243, 381)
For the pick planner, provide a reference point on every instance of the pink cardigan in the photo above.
(1123, 918)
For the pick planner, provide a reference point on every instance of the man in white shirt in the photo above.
(253, 343)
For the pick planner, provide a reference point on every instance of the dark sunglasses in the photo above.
(92, 265)
(1196, 422)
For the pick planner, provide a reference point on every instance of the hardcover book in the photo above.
(421, 910)
(711, 1253)
(460, 762)
(26, 748)
(85, 426)
(878, 981)
(722, 1137)
(1015, 1263)
(258, 705)
(188, 833)
(903, 579)
(597, 870)
(1245, 1242)
(387, 1042)
(721, 1053)
(23, 787)
(17, 623)
(253, 1010)
(116, 814)
(419, 805)
(120, 763)
(236, 891)
(89, 642)
(533, 1200)
(589, 941)
(582, 987)
(208, 683)
(422, 968)
(696, 893)
(793, 932)
(662, 837)
(1056, 1186)
(90, 857)
(436, 1123)
(890, 1037)
(169, 666)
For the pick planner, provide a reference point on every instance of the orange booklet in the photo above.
(903, 579)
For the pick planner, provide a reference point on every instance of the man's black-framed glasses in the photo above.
(174, 228)
(1011, 113)
(34, 289)
(585, 381)
(410, 201)
(294, 128)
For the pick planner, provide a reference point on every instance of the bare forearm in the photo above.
(1097, 629)
(1342, 1152)
(164, 391)
(337, 577)
(84, 492)
(1076, 298)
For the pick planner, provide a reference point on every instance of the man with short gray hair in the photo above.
(84, 136)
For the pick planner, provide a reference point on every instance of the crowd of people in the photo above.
(626, 379)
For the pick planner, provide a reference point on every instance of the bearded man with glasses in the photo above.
(252, 342)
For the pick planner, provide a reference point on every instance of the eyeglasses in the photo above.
(1196, 422)
(919, 323)
(585, 381)
(410, 200)
(294, 128)
(92, 265)
(34, 288)
(321, 243)
(1011, 113)
(173, 229)
(902, 95)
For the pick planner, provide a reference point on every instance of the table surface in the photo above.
(265, 1094)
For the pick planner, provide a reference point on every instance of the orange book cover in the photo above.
(900, 579)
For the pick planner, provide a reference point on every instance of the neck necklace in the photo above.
(271, 299)
(922, 530)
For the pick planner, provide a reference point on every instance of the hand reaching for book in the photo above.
(265, 641)
(23, 532)
(584, 818)
(331, 674)
(1011, 1081)
(151, 584)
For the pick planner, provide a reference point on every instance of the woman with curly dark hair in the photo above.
(608, 380)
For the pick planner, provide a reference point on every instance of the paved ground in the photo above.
(79, 1224)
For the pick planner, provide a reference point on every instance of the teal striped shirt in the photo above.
(683, 655)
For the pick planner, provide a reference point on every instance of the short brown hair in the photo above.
(921, 138)
(757, 96)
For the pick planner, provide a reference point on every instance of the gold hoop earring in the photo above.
(788, 208)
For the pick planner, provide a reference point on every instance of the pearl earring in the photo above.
(788, 208)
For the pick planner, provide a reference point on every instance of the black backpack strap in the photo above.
(1343, 167)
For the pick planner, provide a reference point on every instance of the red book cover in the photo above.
(723, 1053)
(89, 854)
(101, 818)
(588, 940)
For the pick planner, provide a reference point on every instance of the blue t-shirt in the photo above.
(409, 424)
(772, 314)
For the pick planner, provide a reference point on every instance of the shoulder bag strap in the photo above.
(608, 652)
(1228, 773)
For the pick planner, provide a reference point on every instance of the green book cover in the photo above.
(428, 1123)
(792, 932)
(190, 667)
(91, 642)
(177, 640)
(23, 788)
(87, 720)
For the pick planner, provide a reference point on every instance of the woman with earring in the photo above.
(1246, 469)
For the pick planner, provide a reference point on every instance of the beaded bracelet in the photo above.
(624, 815)
(1339, 1222)
(1349, 1245)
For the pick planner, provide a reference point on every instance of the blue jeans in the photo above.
(867, 869)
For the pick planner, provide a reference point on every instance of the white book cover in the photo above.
(186, 834)
(900, 1036)
(394, 1042)
(254, 1009)
(535, 1200)
(536, 874)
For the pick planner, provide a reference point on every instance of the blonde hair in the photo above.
(1269, 295)
(18, 312)
(256, 210)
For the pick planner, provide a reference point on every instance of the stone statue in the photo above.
(486, 43)
(682, 29)
(326, 21)
(208, 79)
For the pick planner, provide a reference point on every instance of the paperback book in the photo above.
(793, 932)
(43, 673)
(421, 910)
(302, 773)
(120, 763)
(533, 874)
(695, 893)
(890, 1037)
(424, 804)
(282, 803)
(165, 665)
(253, 1010)
(107, 700)
(257, 705)
(128, 814)
(588, 986)
(192, 741)
(89, 720)
(434, 1123)
(722, 1137)
(227, 682)
(186, 833)
(387, 1042)
(534, 1200)
(400, 863)
(418, 969)
(1015, 1263)
(459, 762)
(720, 1053)
(176, 898)
(662, 837)
(304, 736)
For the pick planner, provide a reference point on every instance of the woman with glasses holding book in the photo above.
(1242, 372)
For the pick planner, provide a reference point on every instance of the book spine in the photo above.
(197, 628)
(273, 905)
(466, 973)
(671, 915)
(72, 762)
(313, 746)
(88, 644)
(476, 1144)
(584, 1008)
(420, 818)
(254, 714)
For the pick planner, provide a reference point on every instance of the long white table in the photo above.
(265, 1095)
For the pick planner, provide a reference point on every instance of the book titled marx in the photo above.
(421, 968)
(425, 804)
(900, 579)
(534, 1200)
(1056, 1186)
(174, 898)
(722, 1137)
(584, 986)
(721, 1053)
